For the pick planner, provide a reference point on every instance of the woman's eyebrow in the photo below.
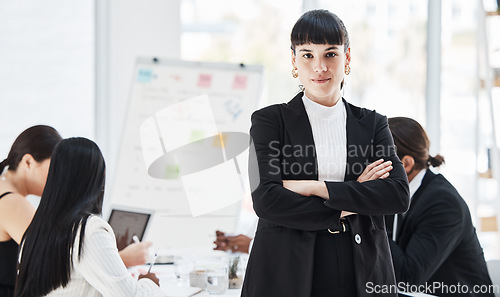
(332, 48)
(335, 47)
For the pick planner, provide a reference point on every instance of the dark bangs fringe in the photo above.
(319, 27)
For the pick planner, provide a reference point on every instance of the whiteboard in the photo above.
(183, 148)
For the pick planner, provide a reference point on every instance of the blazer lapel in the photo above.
(299, 130)
(359, 135)
(428, 177)
(359, 140)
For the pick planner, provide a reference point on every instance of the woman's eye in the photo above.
(307, 56)
(329, 55)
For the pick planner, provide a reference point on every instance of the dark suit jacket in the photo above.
(437, 241)
(281, 259)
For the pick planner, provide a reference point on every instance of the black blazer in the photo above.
(437, 242)
(281, 259)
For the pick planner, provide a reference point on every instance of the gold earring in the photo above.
(347, 70)
(295, 73)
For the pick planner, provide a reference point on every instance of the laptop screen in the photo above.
(126, 224)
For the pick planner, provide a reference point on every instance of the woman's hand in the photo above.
(344, 213)
(376, 170)
(221, 241)
(152, 277)
(307, 187)
(238, 243)
(135, 253)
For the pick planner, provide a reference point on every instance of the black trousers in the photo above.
(333, 273)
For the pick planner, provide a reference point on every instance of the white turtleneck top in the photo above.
(330, 138)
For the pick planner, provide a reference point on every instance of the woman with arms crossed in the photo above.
(321, 229)
(68, 250)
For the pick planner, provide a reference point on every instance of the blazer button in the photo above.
(357, 238)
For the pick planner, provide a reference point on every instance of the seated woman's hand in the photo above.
(239, 243)
(376, 170)
(221, 241)
(152, 277)
(135, 253)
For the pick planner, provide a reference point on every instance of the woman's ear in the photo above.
(293, 59)
(408, 163)
(348, 56)
(26, 162)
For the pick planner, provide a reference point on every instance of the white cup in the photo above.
(198, 278)
(217, 280)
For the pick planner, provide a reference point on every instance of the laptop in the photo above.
(127, 223)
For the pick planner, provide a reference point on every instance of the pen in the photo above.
(153, 262)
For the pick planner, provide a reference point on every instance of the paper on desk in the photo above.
(176, 291)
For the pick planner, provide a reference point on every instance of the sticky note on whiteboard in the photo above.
(144, 75)
(240, 82)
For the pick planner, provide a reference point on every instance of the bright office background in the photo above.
(69, 64)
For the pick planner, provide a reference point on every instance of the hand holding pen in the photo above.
(152, 262)
(136, 253)
(148, 275)
(151, 276)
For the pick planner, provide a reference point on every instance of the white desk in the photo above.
(170, 285)
(172, 288)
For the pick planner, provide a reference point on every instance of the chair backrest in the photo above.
(494, 271)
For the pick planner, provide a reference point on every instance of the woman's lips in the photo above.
(321, 80)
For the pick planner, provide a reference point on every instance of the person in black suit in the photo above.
(323, 173)
(434, 243)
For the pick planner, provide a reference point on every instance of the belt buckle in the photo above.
(337, 232)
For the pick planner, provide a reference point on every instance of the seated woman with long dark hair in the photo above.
(68, 250)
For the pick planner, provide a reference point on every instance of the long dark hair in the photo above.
(411, 140)
(38, 141)
(74, 191)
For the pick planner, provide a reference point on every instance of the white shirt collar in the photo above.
(321, 111)
(416, 182)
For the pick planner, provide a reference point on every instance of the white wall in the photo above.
(46, 68)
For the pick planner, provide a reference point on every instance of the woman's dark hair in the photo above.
(74, 191)
(411, 140)
(319, 27)
(38, 141)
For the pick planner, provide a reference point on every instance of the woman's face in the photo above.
(38, 176)
(321, 70)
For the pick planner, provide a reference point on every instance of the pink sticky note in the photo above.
(205, 80)
(240, 82)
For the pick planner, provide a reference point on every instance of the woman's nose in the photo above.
(319, 66)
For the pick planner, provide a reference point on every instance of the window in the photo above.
(46, 68)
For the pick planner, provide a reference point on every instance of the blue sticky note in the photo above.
(144, 75)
